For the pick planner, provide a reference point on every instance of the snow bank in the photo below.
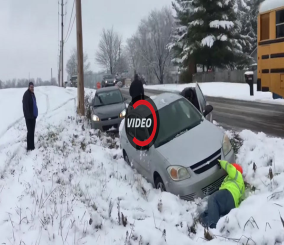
(75, 188)
(269, 5)
(237, 91)
(49, 100)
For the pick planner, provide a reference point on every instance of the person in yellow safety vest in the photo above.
(227, 197)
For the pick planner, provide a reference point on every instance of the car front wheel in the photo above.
(125, 156)
(159, 184)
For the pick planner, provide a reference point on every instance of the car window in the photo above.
(176, 118)
(108, 97)
(108, 77)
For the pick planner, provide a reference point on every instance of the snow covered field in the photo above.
(75, 188)
(237, 91)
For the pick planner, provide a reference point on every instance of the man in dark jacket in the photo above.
(190, 95)
(30, 113)
(136, 89)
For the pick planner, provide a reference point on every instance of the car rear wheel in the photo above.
(159, 184)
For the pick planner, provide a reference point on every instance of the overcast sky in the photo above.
(29, 32)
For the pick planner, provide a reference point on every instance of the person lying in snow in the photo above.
(227, 197)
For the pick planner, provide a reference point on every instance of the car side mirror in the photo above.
(207, 110)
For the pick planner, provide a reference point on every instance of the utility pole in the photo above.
(59, 68)
(62, 44)
(80, 84)
(51, 76)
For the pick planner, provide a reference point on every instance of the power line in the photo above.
(70, 20)
(71, 29)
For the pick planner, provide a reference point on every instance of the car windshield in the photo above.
(108, 77)
(175, 119)
(108, 97)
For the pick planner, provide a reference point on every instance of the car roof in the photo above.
(161, 101)
(107, 89)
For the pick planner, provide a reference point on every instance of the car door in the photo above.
(202, 102)
(142, 158)
(129, 149)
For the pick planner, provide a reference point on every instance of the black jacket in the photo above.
(28, 105)
(189, 91)
(136, 89)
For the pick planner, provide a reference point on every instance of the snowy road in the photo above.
(238, 115)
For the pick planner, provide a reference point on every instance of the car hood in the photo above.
(193, 146)
(106, 111)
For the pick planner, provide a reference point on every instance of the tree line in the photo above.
(193, 33)
(24, 82)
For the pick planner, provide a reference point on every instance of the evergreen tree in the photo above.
(209, 32)
(248, 18)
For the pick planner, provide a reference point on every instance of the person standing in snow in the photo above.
(136, 89)
(30, 113)
(227, 197)
(190, 95)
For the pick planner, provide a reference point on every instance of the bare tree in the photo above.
(110, 50)
(71, 66)
(150, 44)
(132, 53)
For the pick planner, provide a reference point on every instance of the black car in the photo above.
(109, 80)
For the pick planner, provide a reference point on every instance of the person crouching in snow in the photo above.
(227, 197)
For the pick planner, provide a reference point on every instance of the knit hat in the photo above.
(238, 167)
(31, 83)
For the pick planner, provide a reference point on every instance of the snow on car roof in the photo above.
(269, 5)
(165, 99)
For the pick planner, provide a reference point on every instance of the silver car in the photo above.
(108, 109)
(184, 157)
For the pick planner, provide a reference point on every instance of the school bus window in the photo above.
(280, 23)
(264, 25)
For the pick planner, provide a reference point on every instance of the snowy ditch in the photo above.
(77, 189)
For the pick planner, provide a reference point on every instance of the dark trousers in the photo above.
(31, 133)
(137, 98)
(220, 203)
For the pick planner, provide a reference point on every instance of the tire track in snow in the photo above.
(15, 152)
(10, 126)
(19, 120)
(23, 138)
(44, 116)
(22, 117)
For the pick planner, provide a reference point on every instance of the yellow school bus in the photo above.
(270, 47)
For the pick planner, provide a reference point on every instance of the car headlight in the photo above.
(95, 118)
(178, 173)
(227, 147)
(106, 81)
(123, 113)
